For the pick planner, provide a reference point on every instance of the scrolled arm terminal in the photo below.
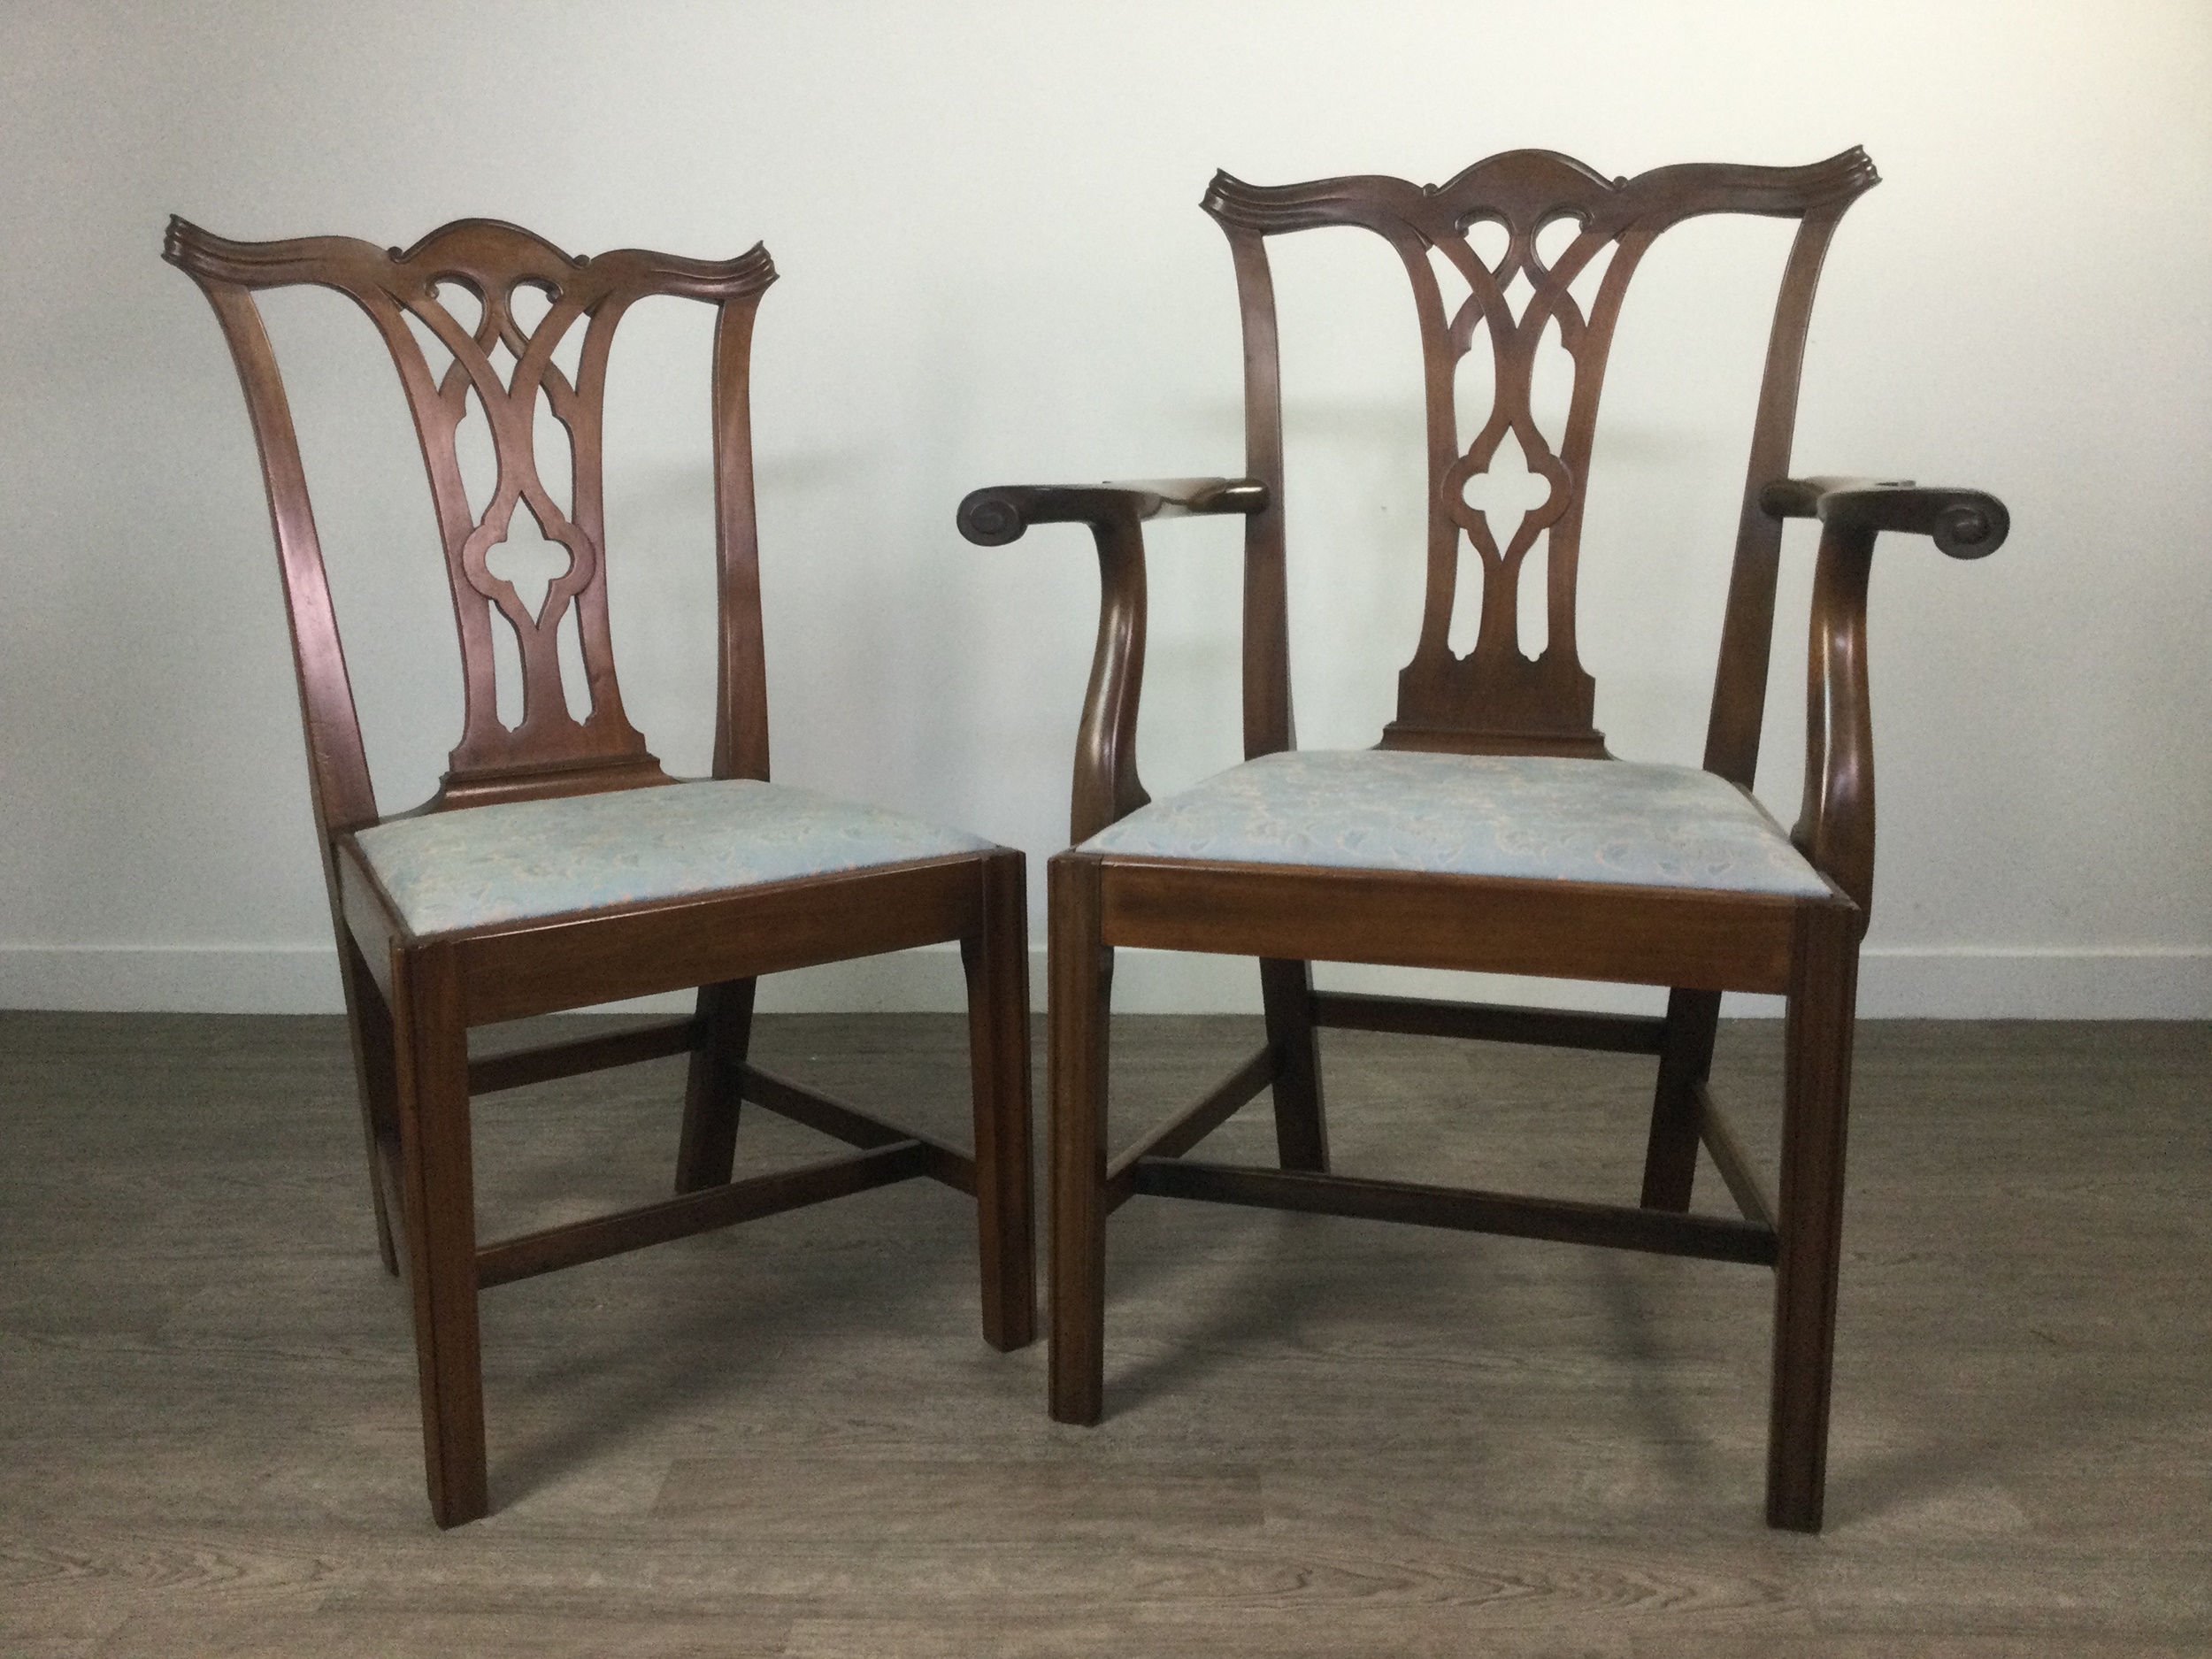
(1967, 524)
(997, 516)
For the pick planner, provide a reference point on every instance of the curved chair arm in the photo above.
(995, 517)
(1106, 785)
(1835, 825)
(1967, 524)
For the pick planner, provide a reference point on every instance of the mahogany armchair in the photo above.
(1490, 830)
(557, 867)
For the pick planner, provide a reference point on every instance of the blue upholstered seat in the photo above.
(1524, 816)
(532, 858)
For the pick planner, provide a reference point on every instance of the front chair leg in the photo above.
(1081, 970)
(707, 1149)
(996, 958)
(1686, 1060)
(432, 1046)
(1818, 1080)
(1302, 1129)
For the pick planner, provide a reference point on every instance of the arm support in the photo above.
(1106, 786)
(1835, 826)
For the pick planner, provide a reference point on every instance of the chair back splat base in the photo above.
(1490, 830)
(558, 865)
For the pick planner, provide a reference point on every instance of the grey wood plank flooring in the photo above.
(1323, 1436)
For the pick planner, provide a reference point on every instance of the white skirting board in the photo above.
(1900, 983)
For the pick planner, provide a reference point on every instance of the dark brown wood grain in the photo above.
(1513, 1215)
(1081, 968)
(552, 1249)
(519, 1069)
(826, 1115)
(376, 1082)
(1737, 1171)
(1178, 1135)
(1817, 1095)
(439, 1205)
(411, 999)
(1546, 1027)
(1967, 524)
(1301, 1125)
(722, 1029)
(1685, 1056)
(1497, 698)
(1747, 634)
(994, 956)
(1581, 930)
(1835, 824)
(540, 967)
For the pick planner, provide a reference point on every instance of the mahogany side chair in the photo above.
(557, 867)
(1490, 829)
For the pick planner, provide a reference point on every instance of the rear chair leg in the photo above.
(1686, 1060)
(375, 1072)
(1080, 992)
(1818, 1065)
(707, 1149)
(996, 958)
(1301, 1130)
(432, 1044)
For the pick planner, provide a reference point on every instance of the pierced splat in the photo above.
(525, 548)
(1518, 267)
(486, 557)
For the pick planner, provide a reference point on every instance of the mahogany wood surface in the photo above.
(1302, 1129)
(494, 1073)
(994, 958)
(679, 1217)
(706, 1146)
(833, 1117)
(1686, 1057)
(1178, 1135)
(1582, 930)
(1547, 1027)
(1497, 699)
(1081, 967)
(1511, 1214)
(1737, 1172)
(413, 1000)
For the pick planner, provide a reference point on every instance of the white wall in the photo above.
(995, 270)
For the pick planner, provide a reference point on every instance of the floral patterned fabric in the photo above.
(1534, 817)
(531, 858)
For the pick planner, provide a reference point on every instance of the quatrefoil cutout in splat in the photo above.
(1492, 488)
(528, 564)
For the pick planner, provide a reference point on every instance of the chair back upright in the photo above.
(548, 750)
(1494, 699)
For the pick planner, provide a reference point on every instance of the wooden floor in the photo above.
(1323, 1436)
